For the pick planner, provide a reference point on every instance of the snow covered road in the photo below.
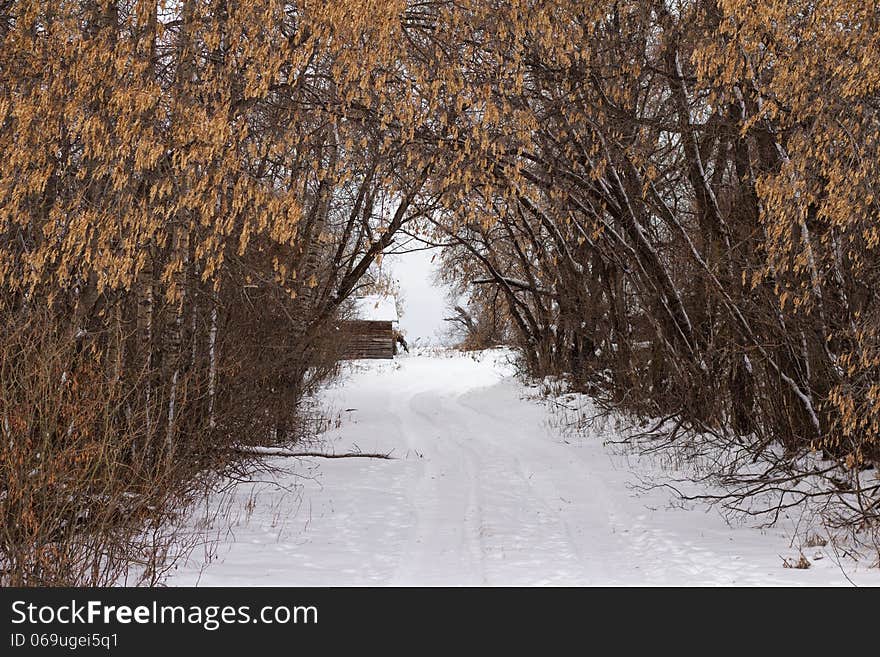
(483, 490)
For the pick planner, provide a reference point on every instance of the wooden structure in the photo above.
(372, 331)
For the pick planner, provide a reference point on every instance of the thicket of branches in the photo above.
(673, 202)
(689, 227)
(189, 192)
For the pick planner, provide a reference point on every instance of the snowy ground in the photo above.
(483, 489)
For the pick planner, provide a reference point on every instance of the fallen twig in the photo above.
(273, 451)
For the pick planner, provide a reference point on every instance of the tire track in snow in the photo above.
(446, 536)
(625, 540)
(513, 445)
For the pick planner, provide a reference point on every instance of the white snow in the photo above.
(485, 489)
(376, 308)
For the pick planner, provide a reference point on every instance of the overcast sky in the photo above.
(424, 305)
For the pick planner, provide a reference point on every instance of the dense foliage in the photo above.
(692, 230)
(672, 201)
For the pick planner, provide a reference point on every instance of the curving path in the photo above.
(483, 491)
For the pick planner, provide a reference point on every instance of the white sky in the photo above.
(424, 305)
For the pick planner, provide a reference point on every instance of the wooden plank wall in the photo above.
(367, 339)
